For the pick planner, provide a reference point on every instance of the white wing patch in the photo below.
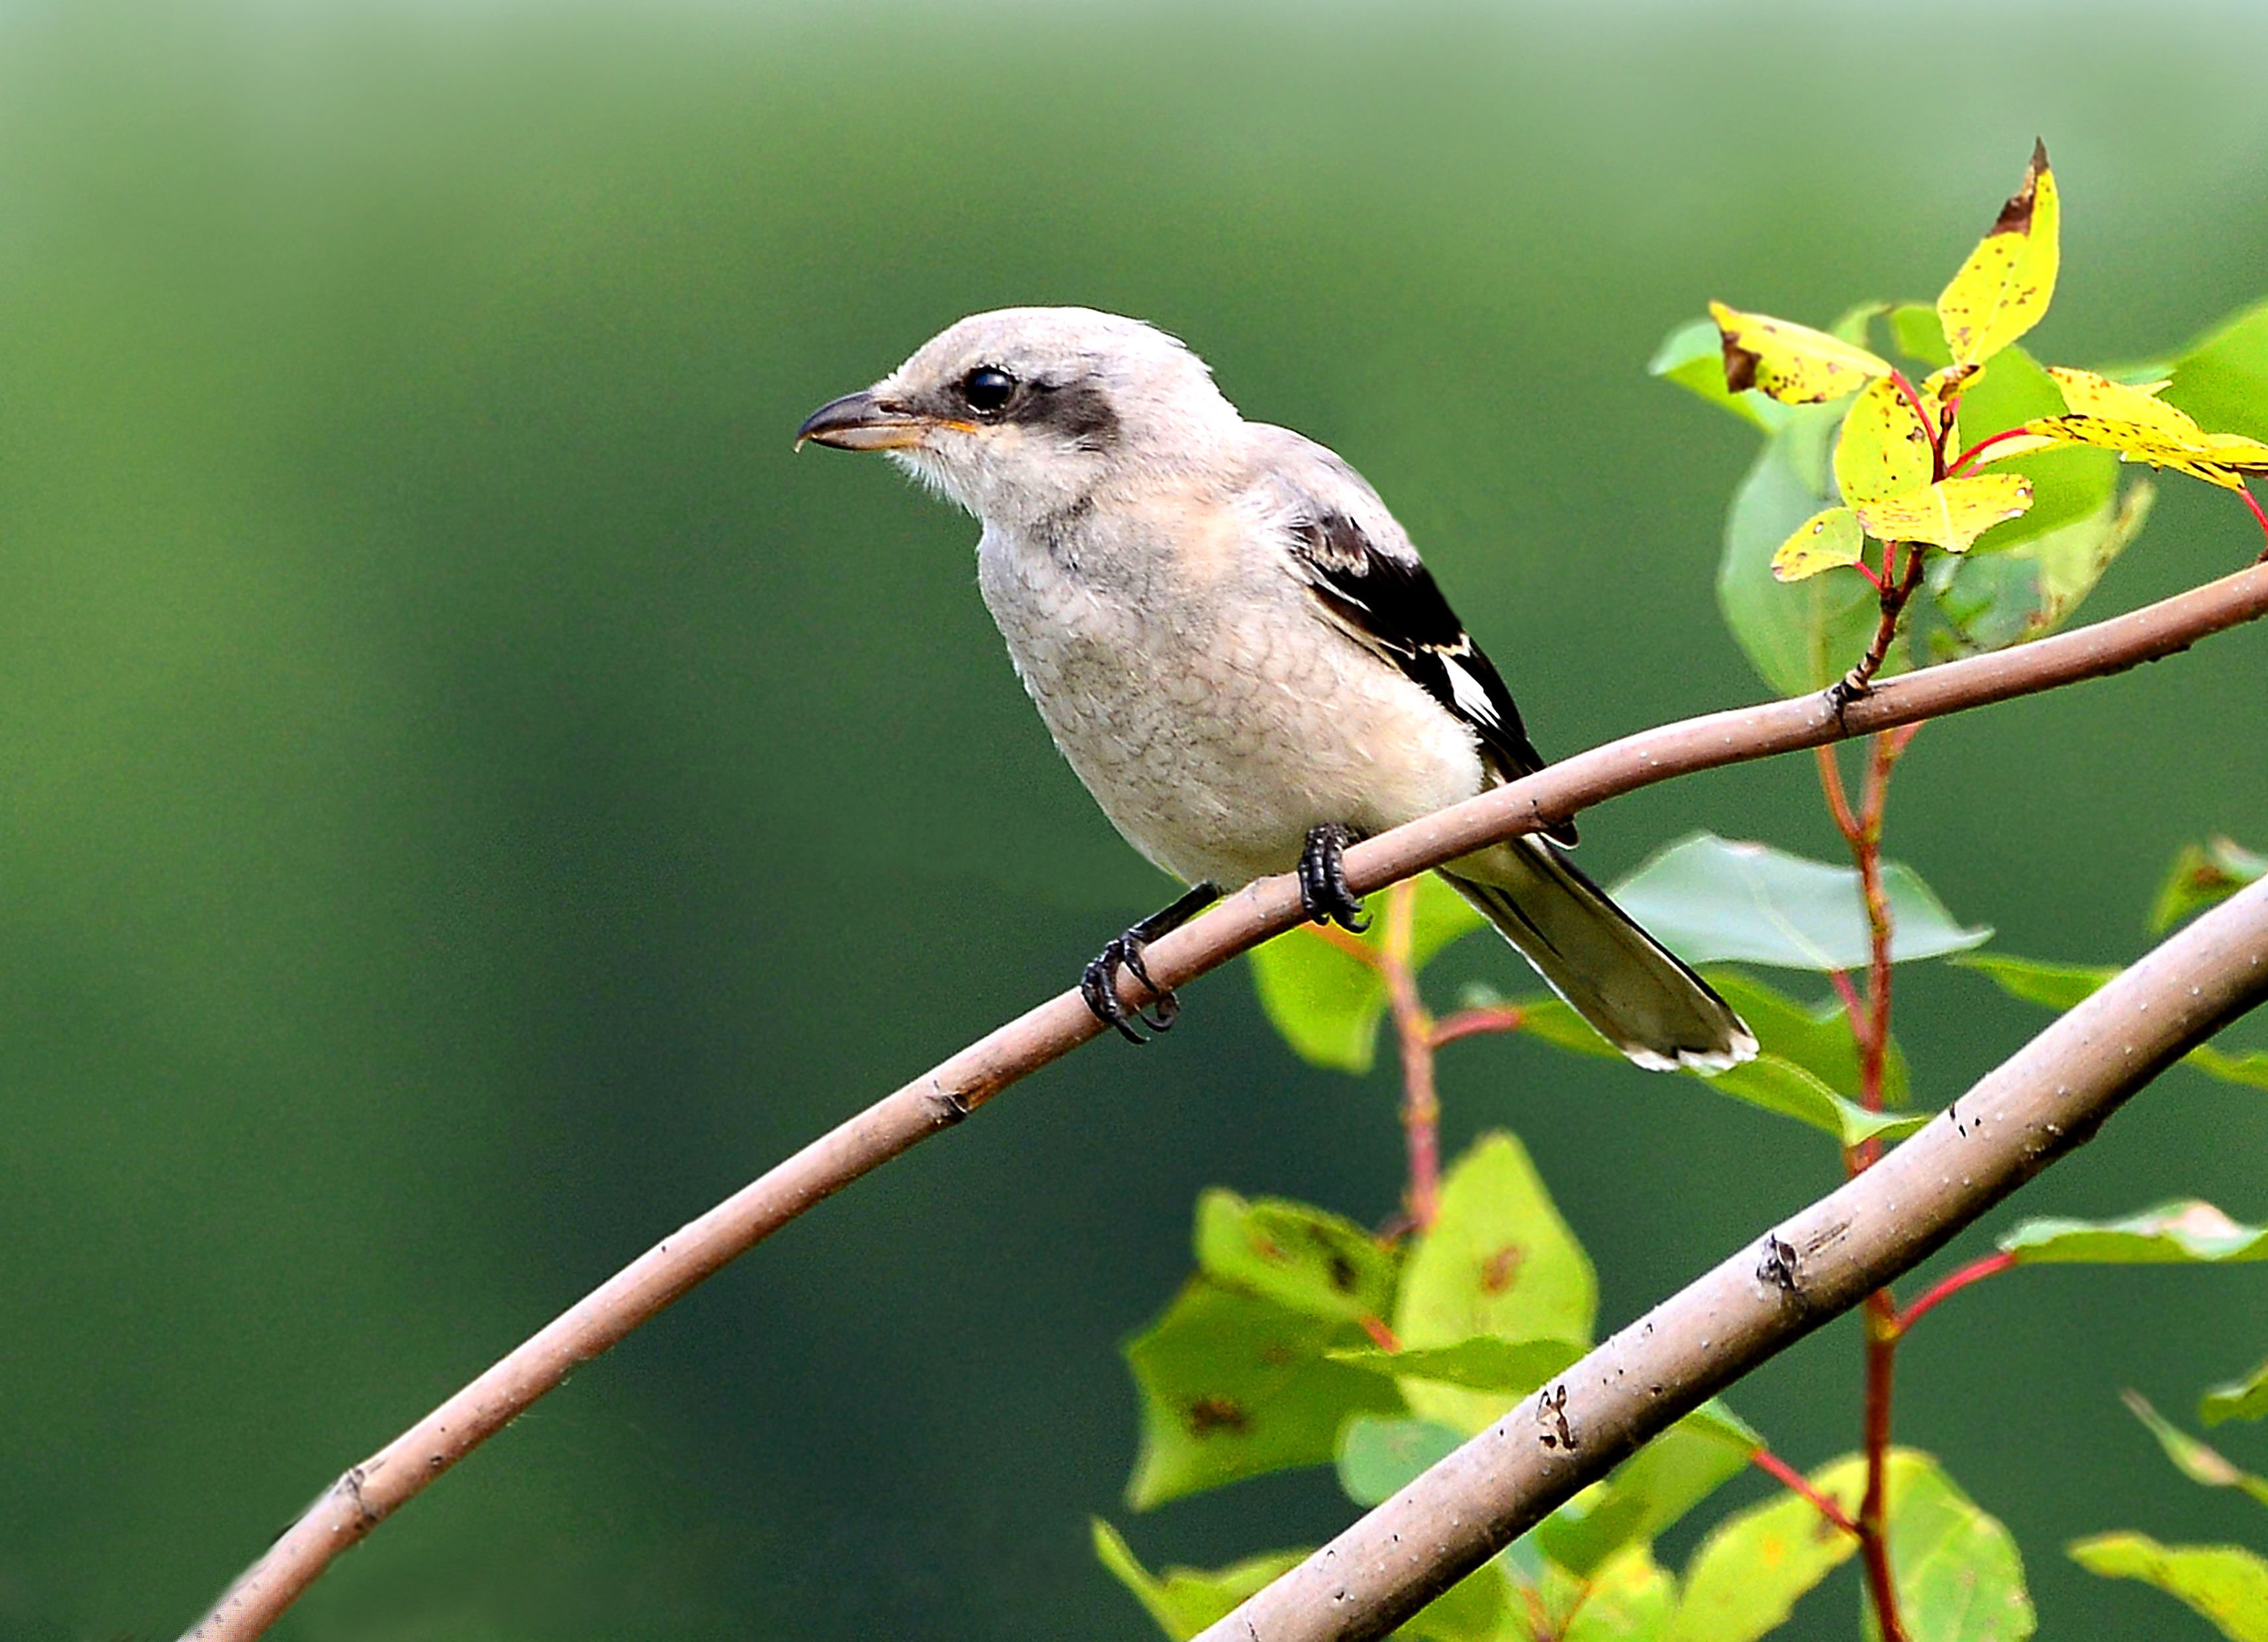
(1470, 697)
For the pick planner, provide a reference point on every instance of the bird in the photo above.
(1240, 654)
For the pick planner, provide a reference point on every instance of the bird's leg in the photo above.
(1099, 985)
(1323, 891)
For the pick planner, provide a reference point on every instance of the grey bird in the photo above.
(1239, 653)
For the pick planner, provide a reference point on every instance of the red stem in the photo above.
(1913, 398)
(1979, 448)
(2253, 502)
(1975, 1271)
(1381, 1335)
(1794, 1481)
(1873, 1540)
(1471, 1023)
(1413, 1027)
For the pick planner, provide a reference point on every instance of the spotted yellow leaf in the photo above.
(1791, 362)
(2142, 428)
(1949, 514)
(1828, 539)
(2004, 288)
(1883, 450)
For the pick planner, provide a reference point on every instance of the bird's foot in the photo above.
(1099, 987)
(1323, 892)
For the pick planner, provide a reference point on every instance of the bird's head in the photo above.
(1020, 414)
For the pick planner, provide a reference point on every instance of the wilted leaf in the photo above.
(2061, 985)
(1497, 1260)
(2203, 874)
(1300, 1257)
(1951, 513)
(1233, 1386)
(2237, 1399)
(1484, 1363)
(2223, 380)
(1792, 362)
(2198, 1461)
(1883, 449)
(1693, 357)
(1829, 540)
(2181, 1233)
(2227, 1583)
(1712, 899)
(1798, 636)
(1643, 1496)
(1185, 1601)
(1326, 1002)
(2003, 289)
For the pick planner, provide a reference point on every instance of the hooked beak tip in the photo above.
(859, 421)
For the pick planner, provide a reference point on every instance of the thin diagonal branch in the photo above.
(371, 1491)
(2037, 1106)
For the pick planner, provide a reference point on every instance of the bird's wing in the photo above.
(1370, 582)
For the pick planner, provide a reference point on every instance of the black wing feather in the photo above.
(1392, 605)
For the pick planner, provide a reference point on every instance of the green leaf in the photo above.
(1185, 1601)
(2198, 1461)
(2237, 1399)
(2069, 484)
(1630, 1598)
(1712, 899)
(1644, 1495)
(1956, 1571)
(1816, 1037)
(1988, 602)
(2223, 381)
(1483, 1363)
(1693, 357)
(1798, 636)
(1379, 1456)
(1233, 1386)
(1300, 1257)
(1328, 1003)
(1958, 1576)
(1498, 1260)
(2203, 874)
(1747, 1574)
(2186, 1232)
(1781, 1080)
(2227, 1583)
(2061, 985)
(1917, 333)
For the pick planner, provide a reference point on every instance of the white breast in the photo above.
(1201, 695)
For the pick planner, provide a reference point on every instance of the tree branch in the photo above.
(2042, 1103)
(941, 1097)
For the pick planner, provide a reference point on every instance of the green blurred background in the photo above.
(472, 797)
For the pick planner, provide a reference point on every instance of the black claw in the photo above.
(1323, 892)
(1098, 985)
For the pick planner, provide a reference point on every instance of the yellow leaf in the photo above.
(1954, 378)
(2088, 394)
(2005, 286)
(2220, 459)
(1951, 513)
(1792, 363)
(1825, 540)
(1883, 450)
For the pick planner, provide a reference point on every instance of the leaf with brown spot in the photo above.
(1305, 1258)
(1792, 363)
(1951, 513)
(2003, 289)
(1830, 539)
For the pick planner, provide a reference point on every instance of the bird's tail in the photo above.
(1638, 995)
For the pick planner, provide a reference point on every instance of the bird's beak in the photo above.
(859, 421)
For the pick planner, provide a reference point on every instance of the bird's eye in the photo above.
(987, 389)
